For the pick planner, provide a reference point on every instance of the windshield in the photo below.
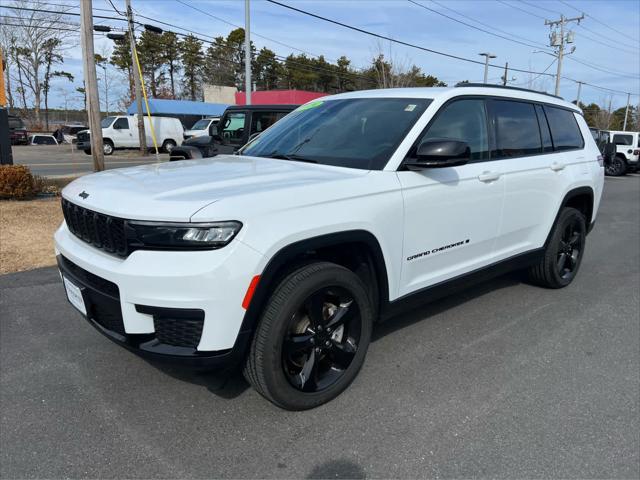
(357, 133)
(201, 124)
(16, 123)
(106, 122)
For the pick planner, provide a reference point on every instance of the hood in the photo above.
(175, 191)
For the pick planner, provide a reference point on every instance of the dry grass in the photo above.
(26, 234)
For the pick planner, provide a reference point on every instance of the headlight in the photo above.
(188, 236)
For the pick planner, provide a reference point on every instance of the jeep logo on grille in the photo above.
(83, 194)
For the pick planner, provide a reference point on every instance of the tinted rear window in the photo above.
(623, 139)
(564, 129)
(517, 131)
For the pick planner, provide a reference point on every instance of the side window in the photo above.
(564, 129)
(233, 127)
(516, 128)
(260, 121)
(463, 120)
(547, 144)
(121, 124)
(623, 139)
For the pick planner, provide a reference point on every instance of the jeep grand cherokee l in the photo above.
(283, 257)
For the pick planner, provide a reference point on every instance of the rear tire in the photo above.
(312, 337)
(563, 254)
(107, 147)
(168, 146)
(616, 167)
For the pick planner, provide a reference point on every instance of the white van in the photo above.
(201, 127)
(122, 132)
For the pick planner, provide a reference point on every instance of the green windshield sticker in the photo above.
(309, 105)
(410, 108)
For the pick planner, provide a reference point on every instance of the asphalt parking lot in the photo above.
(64, 160)
(502, 380)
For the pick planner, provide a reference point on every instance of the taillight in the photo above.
(600, 160)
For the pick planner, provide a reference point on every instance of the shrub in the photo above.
(16, 182)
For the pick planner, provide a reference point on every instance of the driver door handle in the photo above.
(556, 166)
(489, 176)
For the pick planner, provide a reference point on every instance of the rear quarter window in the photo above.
(564, 129)
(626, 140)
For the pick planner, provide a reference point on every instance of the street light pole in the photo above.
(136, 79)
(626, 112)
(91, 83)
(247, 53)
(486, 56)
(579, 91)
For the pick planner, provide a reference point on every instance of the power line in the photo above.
(595, 19)
(473, 26)
(540, 74)
(521, 9)
(555, 12)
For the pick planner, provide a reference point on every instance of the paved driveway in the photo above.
(503, 380)
(64, 160)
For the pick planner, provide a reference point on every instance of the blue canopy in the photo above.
(180, 107)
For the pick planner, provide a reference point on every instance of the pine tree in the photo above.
(171, 44)
(191, 56)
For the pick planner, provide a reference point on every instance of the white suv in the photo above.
(283, 257)
(627, 152)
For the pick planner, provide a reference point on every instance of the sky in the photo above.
(608, 38)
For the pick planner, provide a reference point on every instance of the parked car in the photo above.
(238, 124)
(201, 127)
(282, 258)
(119, 132)
(42, 139)
(17, 131)
(70, 132)
(624, 157)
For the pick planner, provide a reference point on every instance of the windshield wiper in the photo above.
(292, 156)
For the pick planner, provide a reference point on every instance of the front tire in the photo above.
(312, 337)
(616, 167)
(563, 254)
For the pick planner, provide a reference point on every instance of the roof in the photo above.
(271, 97)
(252, 107)
(159, 106)
(444, 93)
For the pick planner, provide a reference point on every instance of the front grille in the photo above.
(102, 231)
(82, 137)
(176, 326)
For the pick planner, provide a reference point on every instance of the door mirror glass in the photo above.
(440, 153)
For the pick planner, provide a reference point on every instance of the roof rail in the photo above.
(506, 87)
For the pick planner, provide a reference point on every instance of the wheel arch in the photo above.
(322, 247)
(580, 198)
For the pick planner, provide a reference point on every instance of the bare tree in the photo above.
(32, 32)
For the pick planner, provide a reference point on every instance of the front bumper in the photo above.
(179, 306)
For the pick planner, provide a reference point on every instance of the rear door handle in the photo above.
(488, 176)
(556, 167)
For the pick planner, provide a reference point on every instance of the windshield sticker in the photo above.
(410, 108)
(309, 105)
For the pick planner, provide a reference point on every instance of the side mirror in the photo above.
(213, 130)
(439, 154)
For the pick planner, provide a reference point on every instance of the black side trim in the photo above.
(445, 288)
(288, 253)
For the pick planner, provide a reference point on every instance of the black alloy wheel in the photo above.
(615, 167)
(322, 339)
(312, 337)
(570, 248)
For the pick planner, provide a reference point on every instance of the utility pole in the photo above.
(136, 81)
(579, 90)
(106, 89)
(626, 112)
(247, 53)
(558, 42)
(91, 83)
(506, 72)
(486, 56)
(609, 113)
